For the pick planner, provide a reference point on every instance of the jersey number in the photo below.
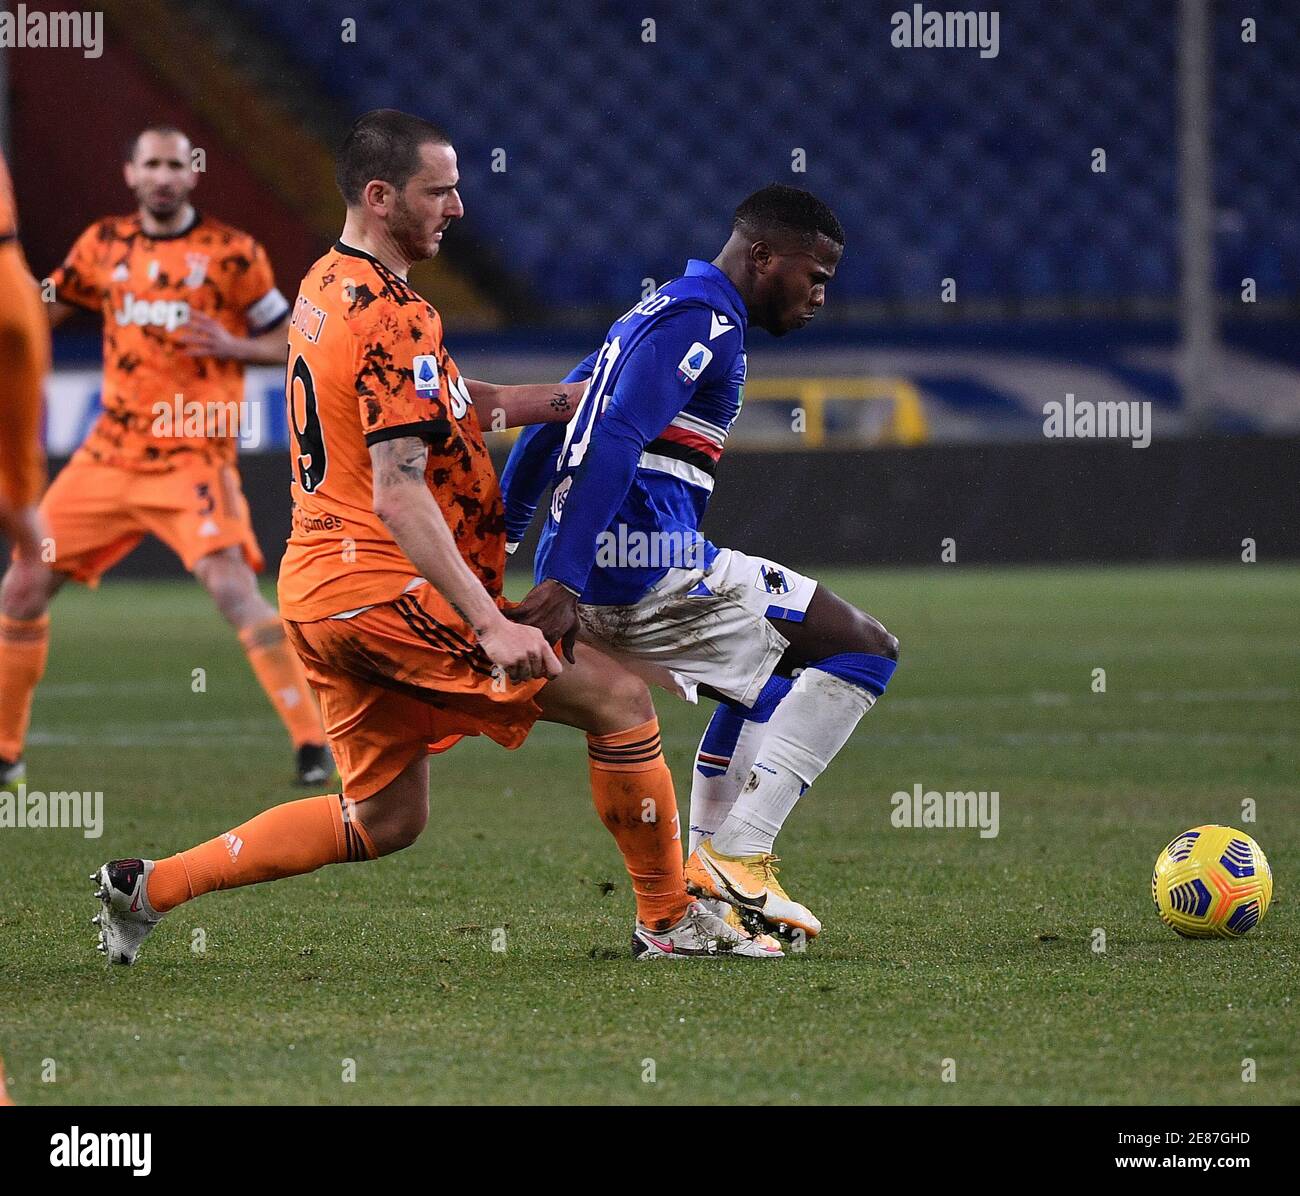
(310, 439)
(594, 400)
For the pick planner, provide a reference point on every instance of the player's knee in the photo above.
(873, 637)
(233, 588)
(394, 825)
(26, 590)
(396, 816)
(621, 701)
(403, 830)
(628, 702)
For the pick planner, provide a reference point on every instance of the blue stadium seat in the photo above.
(625, 157)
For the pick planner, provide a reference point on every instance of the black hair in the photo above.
(383, 144)
(162, 130)
(778, 208)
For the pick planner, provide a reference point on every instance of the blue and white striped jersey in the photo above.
(632, 472)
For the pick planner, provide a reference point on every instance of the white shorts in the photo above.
(705, 626)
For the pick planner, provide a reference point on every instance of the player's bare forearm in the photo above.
(403, 501)
(501, 407)
(267, 348)
(271, 347)
(59, 312)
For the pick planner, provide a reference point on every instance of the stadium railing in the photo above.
(835, 412)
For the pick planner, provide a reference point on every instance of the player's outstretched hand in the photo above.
(520, 650)
(553, 610)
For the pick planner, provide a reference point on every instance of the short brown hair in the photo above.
(383, 144)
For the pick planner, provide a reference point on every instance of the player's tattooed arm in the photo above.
(408, 509)
(501, 407)
(397, 462)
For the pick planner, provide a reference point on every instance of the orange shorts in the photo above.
(404, 679)
(96, 514)
(24, 360)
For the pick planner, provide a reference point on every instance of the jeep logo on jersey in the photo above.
(692, 365)
(160, 313)
(425, 370)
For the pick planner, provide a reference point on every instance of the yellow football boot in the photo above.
(748, 884)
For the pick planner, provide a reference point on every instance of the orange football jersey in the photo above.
(145, 288)
(367, 364)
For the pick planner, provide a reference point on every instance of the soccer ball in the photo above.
(1211, 882)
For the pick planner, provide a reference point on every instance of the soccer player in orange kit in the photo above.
(186, 301)
(392, 584)
(24, 359)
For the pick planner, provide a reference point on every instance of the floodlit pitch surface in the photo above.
(939, 946)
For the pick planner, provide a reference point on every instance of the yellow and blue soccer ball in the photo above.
(1212, 882)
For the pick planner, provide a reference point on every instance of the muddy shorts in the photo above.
(705, 626)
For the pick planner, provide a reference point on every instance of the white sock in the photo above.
(812, 723)
(713, 797)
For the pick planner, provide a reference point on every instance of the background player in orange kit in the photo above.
(186, 300)
(24, 359)
(392, 584)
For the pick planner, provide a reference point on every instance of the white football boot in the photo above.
(701, 934)
(745, 924)
(126, 918)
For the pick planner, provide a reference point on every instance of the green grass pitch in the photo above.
(939, 945)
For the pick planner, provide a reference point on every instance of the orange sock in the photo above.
(286, 840)
(633, 791)
(280, 673)
(24, 645)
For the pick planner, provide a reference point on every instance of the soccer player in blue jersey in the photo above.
(621, 559)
